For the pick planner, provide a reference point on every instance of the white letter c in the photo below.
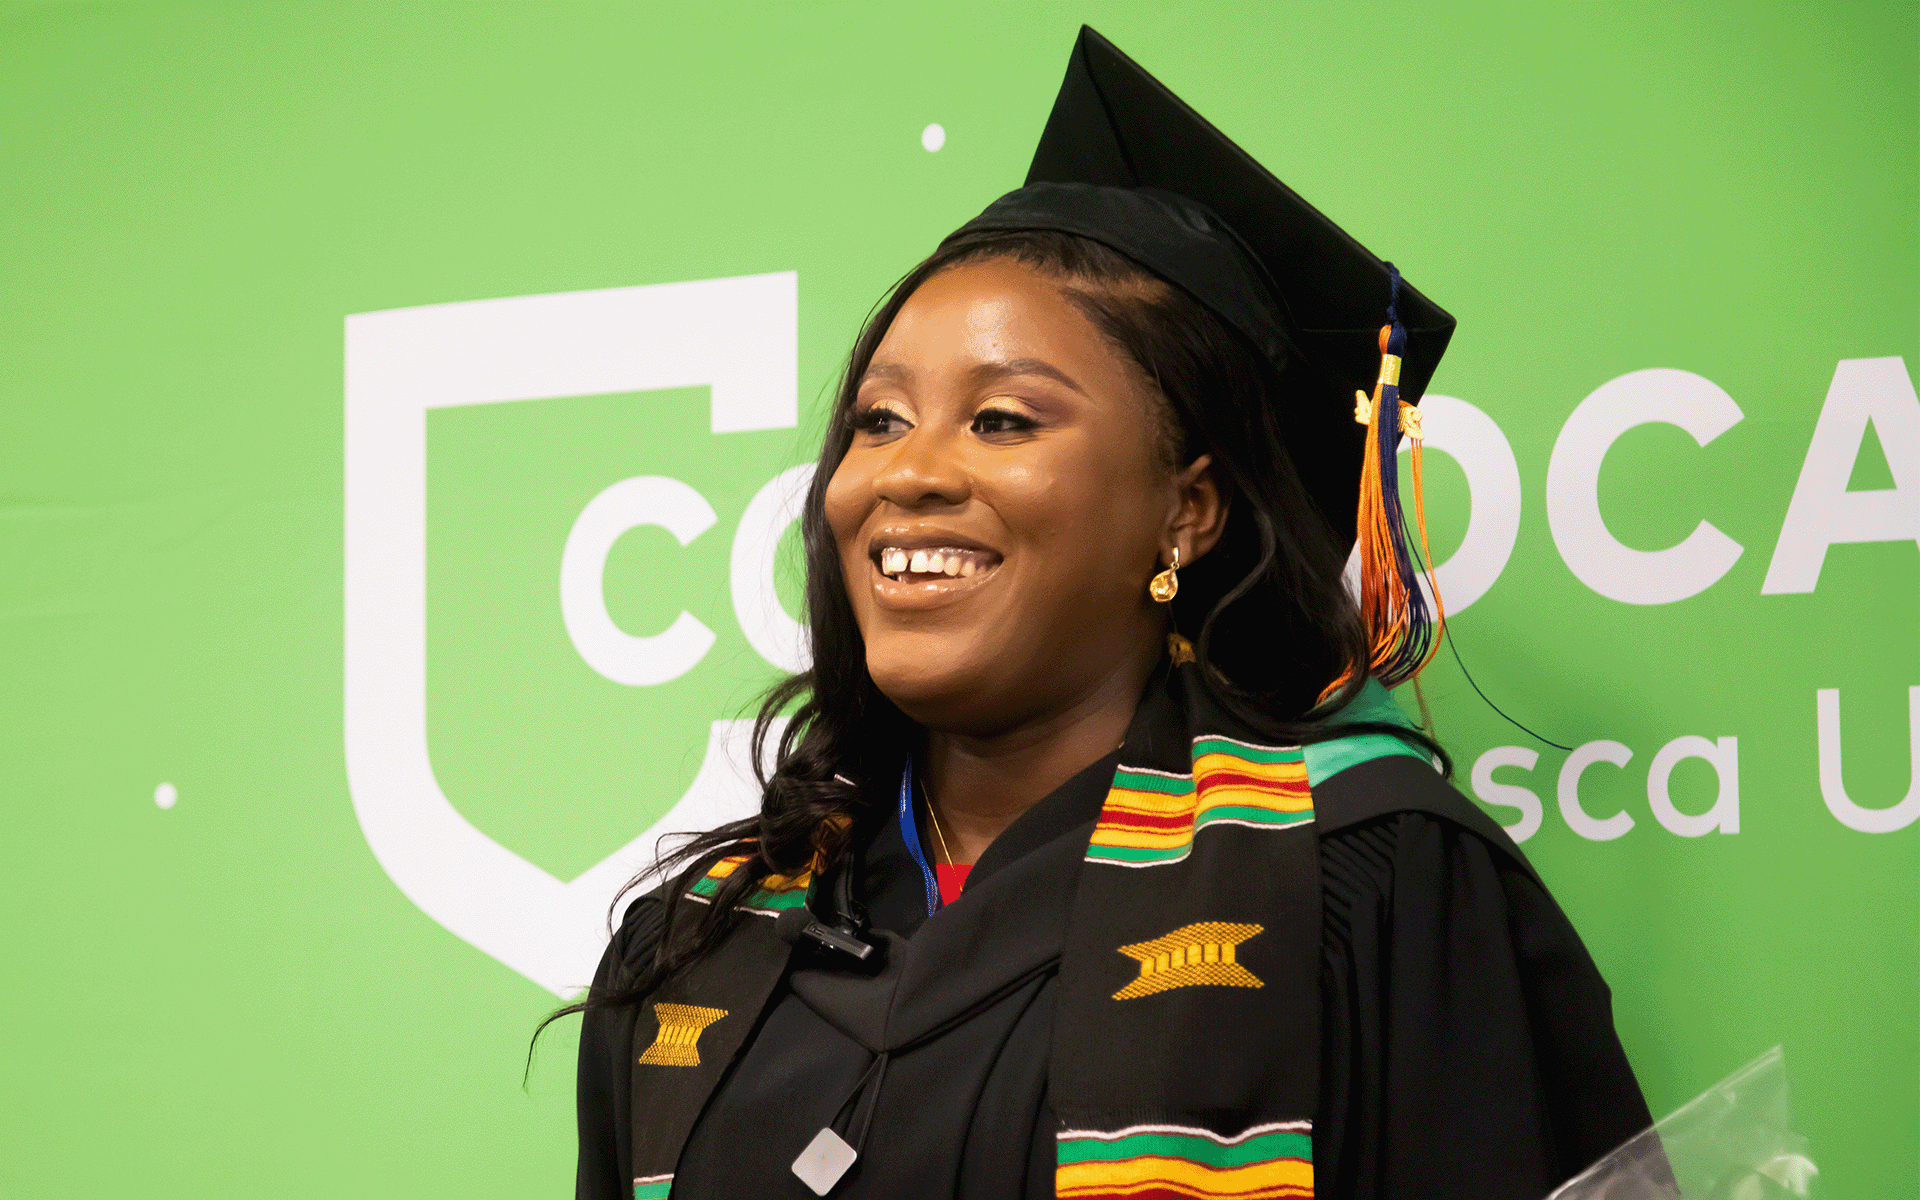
(1658, 395)
(1591, 828)
(608, 649)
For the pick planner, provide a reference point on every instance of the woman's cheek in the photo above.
(1053, 486)
(840, 506)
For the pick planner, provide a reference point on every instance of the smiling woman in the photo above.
(997, 430)
(1095, 859)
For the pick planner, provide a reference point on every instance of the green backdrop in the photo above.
(229, 995)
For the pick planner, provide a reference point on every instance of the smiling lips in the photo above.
(931, 563)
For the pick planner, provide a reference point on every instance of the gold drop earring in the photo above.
(1166, 585)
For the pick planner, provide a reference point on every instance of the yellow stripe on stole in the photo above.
(1111, 833)
(1286, 1177)
(1158, 804)
(1276, 787)
(1147, 804)
(770, 883)
(1286, 778)
(1219, 760)
(1222, 797)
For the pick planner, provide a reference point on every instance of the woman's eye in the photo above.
(878, 421)
(1001, 420)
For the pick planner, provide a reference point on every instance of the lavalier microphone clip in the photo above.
(844, 937)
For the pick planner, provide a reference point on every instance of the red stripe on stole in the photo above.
(1258, 783)
(1134, 820)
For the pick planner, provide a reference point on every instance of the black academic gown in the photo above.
(1467, 1039)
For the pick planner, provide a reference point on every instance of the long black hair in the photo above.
(1272, 624)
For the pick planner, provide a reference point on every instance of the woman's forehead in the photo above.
(984, 321)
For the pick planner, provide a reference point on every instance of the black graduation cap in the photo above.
(1127, 163)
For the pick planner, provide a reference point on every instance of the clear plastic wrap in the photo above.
(1734, 1142)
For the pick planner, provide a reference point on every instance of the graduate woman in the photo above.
(1096, 859)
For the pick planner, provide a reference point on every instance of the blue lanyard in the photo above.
(911, 832)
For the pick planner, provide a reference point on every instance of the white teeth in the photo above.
(953, 563)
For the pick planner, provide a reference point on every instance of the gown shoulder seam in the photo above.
(1397, 784)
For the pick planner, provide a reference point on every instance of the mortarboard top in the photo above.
(1127, 163)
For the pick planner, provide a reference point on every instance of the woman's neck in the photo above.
(979, 785)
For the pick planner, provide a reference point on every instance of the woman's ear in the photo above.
(1200, 513)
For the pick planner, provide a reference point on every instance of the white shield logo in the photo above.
(739, 337)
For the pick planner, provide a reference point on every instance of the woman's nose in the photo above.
(925, 468)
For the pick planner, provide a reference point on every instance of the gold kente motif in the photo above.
(1191, 956)
(678, 1042)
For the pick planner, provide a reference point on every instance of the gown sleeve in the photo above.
(602, 1102)
(1467, 1043)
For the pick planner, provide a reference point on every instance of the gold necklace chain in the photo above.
(941, 837)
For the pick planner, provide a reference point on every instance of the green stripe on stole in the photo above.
(1264, 816)
(1143, 781)
(708, 886)
(1246, 750)
(775, 901)
(1194, 1148)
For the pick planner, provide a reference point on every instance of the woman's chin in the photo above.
(945, 692)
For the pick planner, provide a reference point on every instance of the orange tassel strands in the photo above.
(1402, 634)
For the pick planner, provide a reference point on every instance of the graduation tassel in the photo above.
(1402, 634)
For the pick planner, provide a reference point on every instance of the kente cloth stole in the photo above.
(1186, 1043)
(1186, 1049)
(689, 1031)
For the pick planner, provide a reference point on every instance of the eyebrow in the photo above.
(982, 374)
